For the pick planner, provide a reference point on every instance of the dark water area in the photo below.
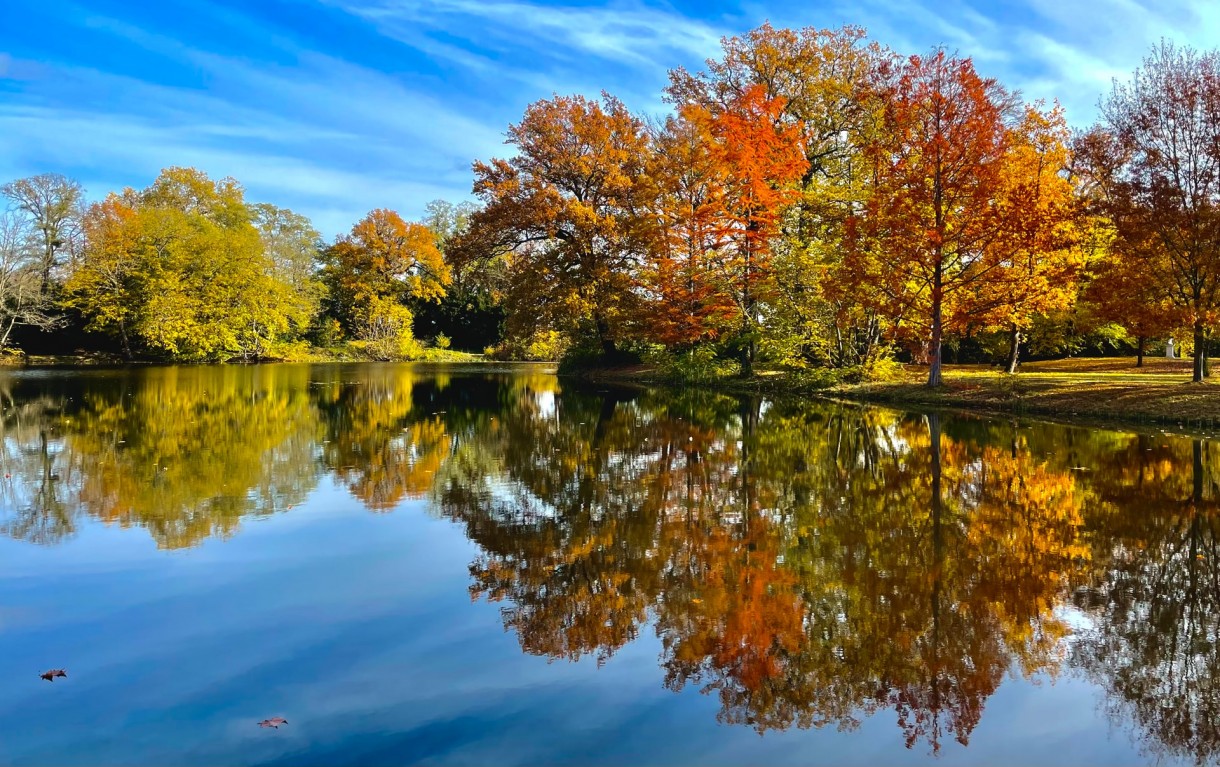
(487, 565)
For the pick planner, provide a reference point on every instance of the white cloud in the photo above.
(332, 132)
(632, 33)
(324, 136)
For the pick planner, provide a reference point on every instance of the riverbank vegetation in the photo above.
(189, 270)
(817, 201)
(814, 203)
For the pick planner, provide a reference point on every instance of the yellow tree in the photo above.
(1038, 259)
(373, 271)
(104, 285)
(179, 268)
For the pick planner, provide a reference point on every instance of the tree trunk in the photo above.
(1207, 357)
(609, 347)
(126, 344)
(1200, 341)
(1139, 351)
(747, 358)
(934, 352)
(4, 340)
(749, 303)
(1014, 348)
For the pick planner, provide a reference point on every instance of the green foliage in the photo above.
(698, 363)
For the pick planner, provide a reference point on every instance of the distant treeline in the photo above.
(187, 270)
(813, 200)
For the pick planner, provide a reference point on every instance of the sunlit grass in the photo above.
(1111, 388)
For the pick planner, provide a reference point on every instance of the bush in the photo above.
(384, 331)
(441, 341)
(816, 379)
(699, 363)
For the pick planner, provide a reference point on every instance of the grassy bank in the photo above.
(1110, 389)
(1093, 390)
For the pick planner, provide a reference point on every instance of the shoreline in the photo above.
(1095, 391)
(1092, 391)
(67, 361)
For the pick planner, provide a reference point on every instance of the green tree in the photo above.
(472, 311)
(294, 247)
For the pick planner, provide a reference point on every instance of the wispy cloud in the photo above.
(630, 33)
(533, 49)
(319, 134)
(339, 106)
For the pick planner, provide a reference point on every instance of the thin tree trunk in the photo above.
(934, 353)
(1198, 355)
(4, 340)
(1207, 357)
(126, 344)
(1139, 352)
(748, 303)
(1014, 348)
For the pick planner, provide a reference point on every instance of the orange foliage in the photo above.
(752, 159)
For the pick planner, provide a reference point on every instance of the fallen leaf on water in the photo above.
(274, 721)
(50, 675)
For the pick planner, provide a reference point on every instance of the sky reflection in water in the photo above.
(401, 561)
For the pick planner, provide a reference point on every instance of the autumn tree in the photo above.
(755, 159)
(930, 227)
(105, 285)
(679, 276)
(373, 271)
(294, 248)
(1118, 292)
(567, 208)
(1041, 250)
(1155, 158)
(53, 204)
(179, 270)
(820, 75)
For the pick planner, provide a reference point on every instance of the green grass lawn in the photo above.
(1109, 388)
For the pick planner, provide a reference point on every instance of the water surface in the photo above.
(486, 565)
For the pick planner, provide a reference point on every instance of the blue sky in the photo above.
(334, 107)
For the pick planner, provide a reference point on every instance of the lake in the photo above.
(486, 564)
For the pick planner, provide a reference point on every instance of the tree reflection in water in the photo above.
(808, 564)
(1154, 639)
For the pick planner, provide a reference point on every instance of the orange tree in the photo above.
(566, 209)
(758, 159)
(928, 230)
